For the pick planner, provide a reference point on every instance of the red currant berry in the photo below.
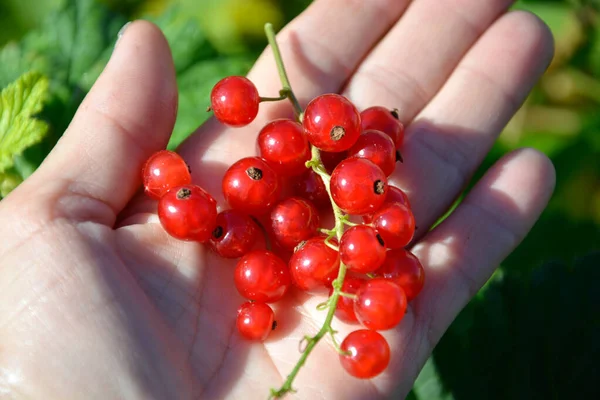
(236, 234)
(310, 186)
(380, 304)
(314, 264)
(332, 160)
(188, 213)
(262, 276)
(283, 145)
(255, 320)
(234, 100)
(384, 120)
(396, 225)
(163, 171)
(362, 249)
(250, 185)
(394, 195)
(378, 147)
(345, 305)
(404, 268)
(358, 186)
(368, 354)
(331, 123)
(294, 220)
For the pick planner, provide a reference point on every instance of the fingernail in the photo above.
(122, 32)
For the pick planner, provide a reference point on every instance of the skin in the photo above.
(96, 301)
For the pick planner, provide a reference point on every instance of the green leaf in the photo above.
(20, 102)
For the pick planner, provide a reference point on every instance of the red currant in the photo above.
(345, 305)
(283, 145)
(314, 264)
(236, 234)
(384, 120)
(380, 304)
(251, 185)
(377, 147)
(234, 100)
(404, 268)
(331, 160)
(394, 195)
(294, 220)
(396, 225)
(331, 123)
(310, 186)
(262, 276)
(255, 320)
(163, 171)
(188, 213)
(362, 249)
(358, 186)
(368, 354)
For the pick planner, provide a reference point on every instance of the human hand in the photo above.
(97, 301)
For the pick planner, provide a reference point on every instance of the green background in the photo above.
(533, 331)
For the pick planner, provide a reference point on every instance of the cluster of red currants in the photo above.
(360, 150)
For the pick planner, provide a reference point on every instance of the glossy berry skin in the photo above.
(234, 101)
(294, 220)
(331, 123)
(262, 276)
(332, 160)
(369, 354)
(394, 195)
(314, 264)
(310, 186)
(380, 304)
(395, 224)
(255, 320)
(384, 120)
(283, 145)
(361, 249)
(251, 185)
(163, 171)
(236, 234)
(378, 147)
(358, 186)
(188, 213)
(344, 309)
(405, 269)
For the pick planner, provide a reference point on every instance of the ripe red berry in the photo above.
(396, 225)
(380, 304)
(345, 305)
(262, 276)
(331, 122)
(368, 354)
(163, 171)
(332, 160)
(294, 220)
(394, 195)
(310, 186)
(236, 234)
(362, 249)
(251, 185)
(384, 120)
(188, 213)
(358, 186)
(283, 145)
(234, 100)
(378, 147)
(314, 264)
(404, 268)
(255, 320)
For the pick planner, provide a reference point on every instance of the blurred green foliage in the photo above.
(533, 331)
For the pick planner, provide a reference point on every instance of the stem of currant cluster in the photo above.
(286, 90)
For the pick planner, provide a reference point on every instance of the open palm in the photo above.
(96, 301)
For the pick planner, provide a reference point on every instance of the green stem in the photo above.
(287, 87)
(265, 99)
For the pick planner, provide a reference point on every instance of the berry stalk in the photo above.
(286, 91)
